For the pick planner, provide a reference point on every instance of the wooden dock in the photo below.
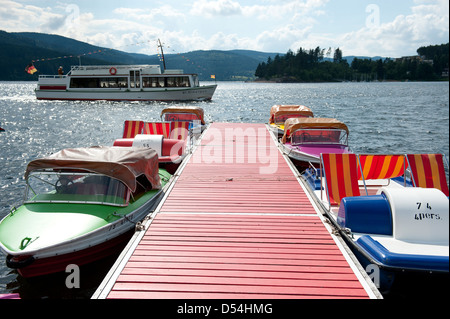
(236, 224)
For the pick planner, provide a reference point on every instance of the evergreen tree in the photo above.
(337, 57)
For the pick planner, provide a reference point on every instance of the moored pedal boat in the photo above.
(393, 225)
(191, 114)
(280, 113)
(80, 204)
(171, 152)
(305, 139)
(171, 140)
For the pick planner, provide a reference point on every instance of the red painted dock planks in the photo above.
(230, 229)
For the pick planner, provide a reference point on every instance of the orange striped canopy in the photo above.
(132, 128)
(381, 166)
(157, 128)
(428, 171)
(179, 130)
(341, 176)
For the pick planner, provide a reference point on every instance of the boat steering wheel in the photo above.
(305, 136)
(62, 184)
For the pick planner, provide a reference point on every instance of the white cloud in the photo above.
(427, 24)
(28, 17)
(146, 15)
(267, 25)
(216, 8)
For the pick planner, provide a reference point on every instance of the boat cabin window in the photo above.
(89, 188)
(319, 136)
(167, 81)
(196, 81)
(280, 119)
(97, 83)
(135, 79)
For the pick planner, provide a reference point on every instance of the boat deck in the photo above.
(238, 224)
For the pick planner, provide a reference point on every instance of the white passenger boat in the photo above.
(123, 83)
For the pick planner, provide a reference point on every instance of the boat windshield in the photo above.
(319, 136)
(88, 188)
(184, 117)
(280, 119)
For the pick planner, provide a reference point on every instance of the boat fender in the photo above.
(113, 71)
(419, 214)
(10, 263)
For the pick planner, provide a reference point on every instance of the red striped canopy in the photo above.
(381, 166)
(158, 128)
(428, 171)
(132, 128)
(341, 176)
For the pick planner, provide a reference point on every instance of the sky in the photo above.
(389, 28)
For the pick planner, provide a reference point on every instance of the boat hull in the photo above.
(202, 93)
(30, 267)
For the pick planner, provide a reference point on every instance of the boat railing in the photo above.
(107, 67)
(52, 76)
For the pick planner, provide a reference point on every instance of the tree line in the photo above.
(430, 64)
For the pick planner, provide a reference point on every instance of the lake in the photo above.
(411, 117)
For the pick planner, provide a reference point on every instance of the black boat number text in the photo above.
(422, 216)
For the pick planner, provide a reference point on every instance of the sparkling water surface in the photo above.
(410, 117)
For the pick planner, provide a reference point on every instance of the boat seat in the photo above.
(180, 130)
(132, 128)
(157, 128)
(419, 214)
(380, 168)
(427, 170)
(340, 175)
(366, 214)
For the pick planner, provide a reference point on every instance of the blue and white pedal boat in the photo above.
(392, 226)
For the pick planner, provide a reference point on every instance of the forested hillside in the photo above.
(431, 63)
(17, 50)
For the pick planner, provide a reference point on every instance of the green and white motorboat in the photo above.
(79, 205)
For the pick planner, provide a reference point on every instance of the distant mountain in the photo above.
(17, 50)
(350, 58)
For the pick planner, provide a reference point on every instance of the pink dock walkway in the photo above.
(236, 224)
